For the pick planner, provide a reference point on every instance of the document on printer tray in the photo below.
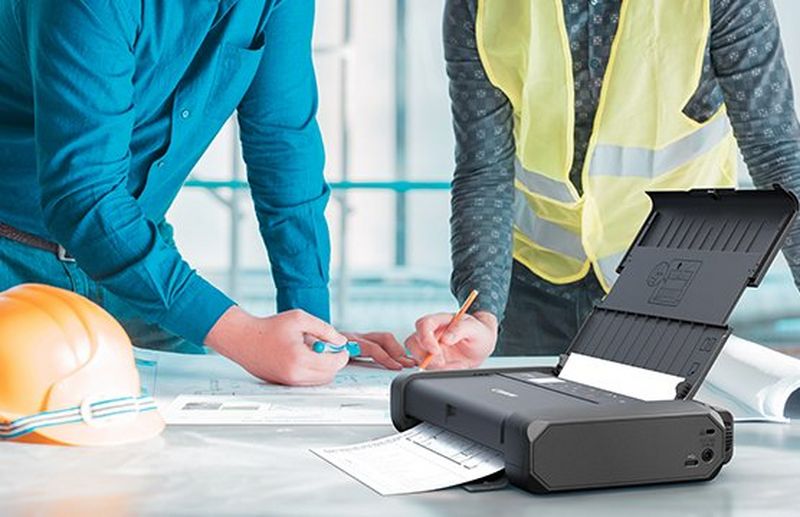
(632, 381)
(420, 459)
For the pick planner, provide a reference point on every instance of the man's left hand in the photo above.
(383, 348)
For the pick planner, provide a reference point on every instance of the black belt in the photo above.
(11, 233)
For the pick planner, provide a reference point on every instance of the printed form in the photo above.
(421, 459)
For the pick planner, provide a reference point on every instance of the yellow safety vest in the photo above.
(641, 138)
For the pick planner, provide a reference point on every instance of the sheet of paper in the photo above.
(277, 409)
(753, 382)
(421, 459)
(187, 388)
(168, 375)
(628, 380)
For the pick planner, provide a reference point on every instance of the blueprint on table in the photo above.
(210, 389)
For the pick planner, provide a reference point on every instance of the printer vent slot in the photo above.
(725, 222)
(728, 436)
(737, 235)
(722, 222)
(681, 348)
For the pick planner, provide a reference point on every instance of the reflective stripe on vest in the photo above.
(612, 160)
(540, 184)
(543, 232)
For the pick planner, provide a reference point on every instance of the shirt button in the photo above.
(185, 114)
(160, 163)
(593, 2)
(594, 63)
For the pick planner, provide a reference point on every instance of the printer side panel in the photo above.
(582, 453)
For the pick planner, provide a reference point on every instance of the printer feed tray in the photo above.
(679, 281)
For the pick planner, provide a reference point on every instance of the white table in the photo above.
(269, 471)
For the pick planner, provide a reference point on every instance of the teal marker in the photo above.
(351, 347)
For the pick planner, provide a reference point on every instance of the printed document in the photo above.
(420, 459)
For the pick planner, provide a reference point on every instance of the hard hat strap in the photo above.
(100, 411)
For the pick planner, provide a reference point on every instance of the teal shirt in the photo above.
(105, 107)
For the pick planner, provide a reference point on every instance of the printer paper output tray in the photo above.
(667, 312)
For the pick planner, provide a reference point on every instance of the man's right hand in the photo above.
(276, 349)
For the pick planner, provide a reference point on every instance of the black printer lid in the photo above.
(681, 278)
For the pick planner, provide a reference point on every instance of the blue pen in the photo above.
(351, 347)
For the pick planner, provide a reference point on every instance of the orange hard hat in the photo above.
(67, 372)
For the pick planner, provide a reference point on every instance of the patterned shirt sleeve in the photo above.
(750, 66)
(483, 183)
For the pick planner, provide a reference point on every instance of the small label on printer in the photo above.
(671, 281)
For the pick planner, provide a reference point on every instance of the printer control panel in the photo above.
(571, 389)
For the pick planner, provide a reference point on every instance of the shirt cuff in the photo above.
(313, 300)
(196, 311)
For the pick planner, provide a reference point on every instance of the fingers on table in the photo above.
(383, 345)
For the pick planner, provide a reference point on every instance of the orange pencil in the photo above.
(460, 314)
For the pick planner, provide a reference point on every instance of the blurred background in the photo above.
(385, 118)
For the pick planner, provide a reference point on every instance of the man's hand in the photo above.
(383, 348)
(276, 349)
(466, 345)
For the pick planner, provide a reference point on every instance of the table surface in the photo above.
(268, 470)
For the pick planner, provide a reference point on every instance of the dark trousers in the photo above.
(542, 318)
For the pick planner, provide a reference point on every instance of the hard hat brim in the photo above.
(138, 427)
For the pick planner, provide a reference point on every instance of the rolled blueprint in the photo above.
(754, 382)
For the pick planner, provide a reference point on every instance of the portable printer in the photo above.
(666, 315)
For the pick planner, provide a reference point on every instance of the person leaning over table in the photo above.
(565, 113)
(104, 109)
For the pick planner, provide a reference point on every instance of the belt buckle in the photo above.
(63, 256)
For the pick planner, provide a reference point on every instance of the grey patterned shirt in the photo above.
(744, 67)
